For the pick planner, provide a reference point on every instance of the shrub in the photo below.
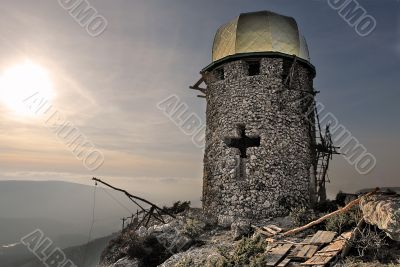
(248, 252)
(372, 244)
(337, 223)
(148, 250)
(177, 207)
(341, 199)
(301, 216)
(343, 221)
(193, 228)
(326, 206)
(373, 248)
(185, 262)
(112, 253)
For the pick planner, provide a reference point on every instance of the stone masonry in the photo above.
(275, 176)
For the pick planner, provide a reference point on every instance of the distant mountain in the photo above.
(383, 189)
(66, 234)
(63, 211)
(86, 255)
(65, 208)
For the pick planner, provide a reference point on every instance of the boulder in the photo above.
(126, 262)
(173, 239)
(240, 228)
(142, 231)
(225, 221)
(194, 257)
(384, 212)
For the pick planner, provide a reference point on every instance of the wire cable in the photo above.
(91, 225)
(116, 200)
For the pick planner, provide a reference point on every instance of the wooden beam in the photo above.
(322, 237)
(276, 254)
(196, 86)
(135, 200)
(325, 255)
(284, 263)
(200, 81)
(327, 216)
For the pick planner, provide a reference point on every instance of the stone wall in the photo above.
(277, 173)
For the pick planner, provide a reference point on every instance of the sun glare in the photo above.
(21, 82)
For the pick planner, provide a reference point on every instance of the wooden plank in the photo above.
(268, 234)
(275, 228)
(260, 230)
(269, 230)
(315, 236)
(325, 255)
(295, 251)
(355, 234)
(303, 252)
(276, 254)
(284, 263)
(318, 260)
(307, 252)
(327, 216)
(339, 243)
(298, 247)
(322, 237)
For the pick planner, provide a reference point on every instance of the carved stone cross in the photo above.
(242, 143)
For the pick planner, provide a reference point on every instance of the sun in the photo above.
(20, 82)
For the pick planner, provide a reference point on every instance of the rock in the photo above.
(126, 262)
(194, 257)
(151, 230)
(163, 228)
(142, 231)
(225, 221)
(172, 236)
(384, 212)
(240, 228)
(210, 220)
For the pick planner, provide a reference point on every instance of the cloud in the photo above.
(109, 86)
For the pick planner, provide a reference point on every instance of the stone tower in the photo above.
(260, 135)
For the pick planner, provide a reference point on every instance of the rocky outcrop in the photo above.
(194, 257)
(384, 212)
(126, 262)
(240, 228)
(151, 246)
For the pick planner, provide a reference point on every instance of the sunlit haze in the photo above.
(108, 87)
(21, 81)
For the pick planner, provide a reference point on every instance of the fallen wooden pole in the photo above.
(354, 236)
(327, 216)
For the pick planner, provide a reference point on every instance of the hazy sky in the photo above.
(108, 86)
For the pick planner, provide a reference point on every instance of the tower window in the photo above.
(219, 74)
(254, 67)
